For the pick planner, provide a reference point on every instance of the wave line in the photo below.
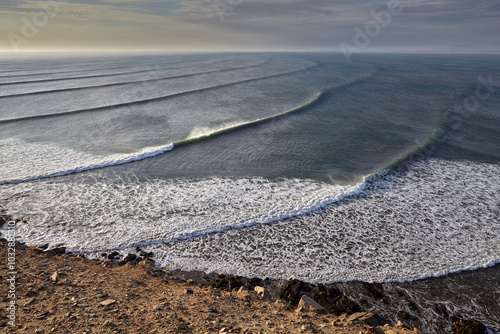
(124, 83)
(141, 102)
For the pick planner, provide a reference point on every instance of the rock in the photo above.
(280, 303)
(113, 255)
(108, 302)
(301, 310)
(461, 326)
(59, 250)
(366, 317)
(309, 304)
(376, 290)
(43, 315)
(221, 283)
(441, 309)
(25, 302)
(146, 254)
(341, 318)
(292, 291)
(147, 264)
(55, 277)
(129, 258)
(262, 292)
(31, 293)
(233, 283)
(182, 327)
(107, 263)
(253, 282)
(334, 301)
(403, 315)
(243, 294)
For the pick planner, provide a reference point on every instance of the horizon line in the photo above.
(288, 50)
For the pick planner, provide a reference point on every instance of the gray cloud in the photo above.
(247, 24)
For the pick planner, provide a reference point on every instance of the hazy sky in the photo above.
(170, 25)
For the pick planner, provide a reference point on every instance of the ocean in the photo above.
(384, 169)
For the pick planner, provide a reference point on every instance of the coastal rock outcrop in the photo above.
(461, 326)
(262, 292)
(334, 301)
(292, 291)
(309, 304)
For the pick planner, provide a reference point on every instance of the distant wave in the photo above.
(93, 76)
(159, 98)
(84, 67)
(128, 82)
(122, 159)
(58, 167)
(73, 78)
(91, 67)
(51, 72)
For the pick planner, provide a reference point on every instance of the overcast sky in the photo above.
(173, 25)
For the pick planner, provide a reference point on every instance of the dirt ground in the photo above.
(62, 293)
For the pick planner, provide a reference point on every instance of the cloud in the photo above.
(269, 12)
(456, 14)
(251, 24)
(87, 11)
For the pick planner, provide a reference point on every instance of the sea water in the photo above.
(274, 165)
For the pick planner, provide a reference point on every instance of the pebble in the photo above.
(108, 302)
(55, 276)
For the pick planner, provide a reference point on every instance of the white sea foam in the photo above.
(441, 217)
(21, 161)
(88, 216)
(205, 131)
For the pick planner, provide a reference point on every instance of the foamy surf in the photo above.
(21, 161)
(440, 217)
(92, 217)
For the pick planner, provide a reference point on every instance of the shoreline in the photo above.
(53, 285)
